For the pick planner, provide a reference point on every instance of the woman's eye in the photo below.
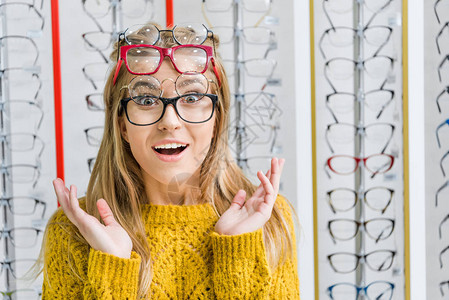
(147, 101)
(191, 98)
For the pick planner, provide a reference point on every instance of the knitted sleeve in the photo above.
(74, 270)
(241, 269)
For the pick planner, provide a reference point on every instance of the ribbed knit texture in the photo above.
(190, 261)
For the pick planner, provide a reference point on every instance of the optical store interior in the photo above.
(353, 94)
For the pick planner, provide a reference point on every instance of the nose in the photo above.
(170, 120)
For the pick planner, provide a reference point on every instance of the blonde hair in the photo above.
(116, 176)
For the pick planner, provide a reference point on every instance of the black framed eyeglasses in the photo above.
(343, 102)
(345, 262)
(148, 110)
(343, 36)
(346, 229)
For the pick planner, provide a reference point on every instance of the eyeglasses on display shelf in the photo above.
(346, 229)
(343, 69)
(21, 237)
(346, 164)
(94, 135)
(345, 199)
(378, 260)
(377, 290)
(22, 27)
(24, 205)
(343, 36)
(341, 103)
(346, 6)
(16, 267)
(18, 78)
(344, 134)
(95, 102)
(31, 294)
(257, 67)
(358, 78)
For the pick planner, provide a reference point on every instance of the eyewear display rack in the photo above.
(260, 113)
(116, 15)
(8, 218)
(21, 167)
(436, 116)
(357, 64)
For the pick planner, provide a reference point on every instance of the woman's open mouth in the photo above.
(170, 154)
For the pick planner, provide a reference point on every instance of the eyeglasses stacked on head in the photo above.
(358, 66)
(141, 56)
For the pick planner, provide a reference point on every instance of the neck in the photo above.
(182, 190)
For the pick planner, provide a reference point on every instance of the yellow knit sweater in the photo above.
(190, 261)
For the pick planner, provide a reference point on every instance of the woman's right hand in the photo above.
(109, 238)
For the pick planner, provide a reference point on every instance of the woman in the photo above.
(166, 214)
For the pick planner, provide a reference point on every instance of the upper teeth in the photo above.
(168, 146)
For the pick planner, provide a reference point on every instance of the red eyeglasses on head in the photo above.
(145, 59)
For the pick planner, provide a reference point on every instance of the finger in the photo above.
(276, 175)
(239, 200)
(259, 191)
(63, 199)
(105, 212)
(268, 188)
(78, 213)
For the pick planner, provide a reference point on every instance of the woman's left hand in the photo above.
(249, 216)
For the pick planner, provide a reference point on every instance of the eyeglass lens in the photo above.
(145, 60)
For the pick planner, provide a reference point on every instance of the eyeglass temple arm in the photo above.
(441, 163)
(391, 137)
(330, 110)
(326, 137)
(435, 9)
(439, 190)
(327, 14)
(441, 65)
(441, 255)
(203, 12)
(439, 35)
(326, 166)
(438, 128)
(441, 225)
(446, 90)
